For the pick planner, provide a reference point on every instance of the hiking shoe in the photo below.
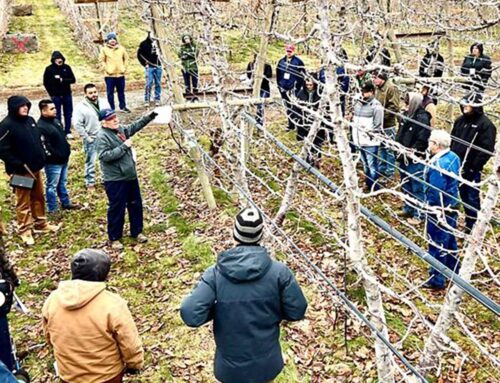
(141, 238)
(71, 206)
(414, 221)
(69, 136)
(126, 110)
(27, 238)
(157, 103)
(48, 228)
(116, 245)
(432, 286)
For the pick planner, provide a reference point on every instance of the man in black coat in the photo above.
(57, 80)
(432, 64)
(58, 152)
(476, 66)
(265, 89)
(247, 295)
(22, 150)
(147, 54)
(473, 140)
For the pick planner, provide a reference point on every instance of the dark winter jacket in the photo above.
(268, 73)
(303, 119)
(343, 83)
(56, 144)
(20, 140)
(57, 79)
(116, 158)
(290, 74)
(147, 54)
(475, 129)
(189, 56)
(379, 56)
(477, 68)
(431, 65)
(247, 295)
(414, 136)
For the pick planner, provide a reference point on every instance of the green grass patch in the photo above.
(199, 252)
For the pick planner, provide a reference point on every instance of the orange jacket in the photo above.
(92, 332)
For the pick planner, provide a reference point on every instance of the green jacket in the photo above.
(388, 96)
(116, 158)
(189, 55)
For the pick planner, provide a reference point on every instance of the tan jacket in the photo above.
(114, 60)
(92, 332)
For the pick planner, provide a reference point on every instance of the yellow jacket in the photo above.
(92, 332)
(114, 60)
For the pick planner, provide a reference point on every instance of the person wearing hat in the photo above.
(23, 153)
(91, 329)
(476, 66)
(473, 140)
(367, 119)
(189, 58)
(247, 295)
(290, 77)
(114, 60)
(388, 95)
(117, 159)
(147, 54)
(57, 80)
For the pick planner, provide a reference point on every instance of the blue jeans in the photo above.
(153, 76)
(90, 160)
(411, 177)
(57, 177)
(260, 107)
(387, 157)
(370, 164)
(443, 247)
(5, 346)
(471, 197)
(117, 83)
(123, 195)
(66, 103)
(190, 81)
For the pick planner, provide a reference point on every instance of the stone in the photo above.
(20, 43)
(22, 10)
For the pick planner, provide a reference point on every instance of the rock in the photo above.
(22, 10)
(20, 43)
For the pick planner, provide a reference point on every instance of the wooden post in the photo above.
(163, 35)
(264, 41)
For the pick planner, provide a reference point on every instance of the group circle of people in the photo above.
(246, 293)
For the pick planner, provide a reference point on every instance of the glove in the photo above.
(153, 115)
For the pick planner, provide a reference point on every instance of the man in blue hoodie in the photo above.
(247, 295)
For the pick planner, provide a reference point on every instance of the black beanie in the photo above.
(90, 265)
(248, 226)
(383, 75)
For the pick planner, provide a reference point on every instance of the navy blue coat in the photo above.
(247, 295)
(290, 74)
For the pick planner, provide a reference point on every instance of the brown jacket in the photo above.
(388, 96)
(92, 332)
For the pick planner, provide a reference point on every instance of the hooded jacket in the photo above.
(431, 65)
(268, 73)
(475, 129)
(20, 140)
(114, 60)
(306, 99)
(56, 144)
(247, 295)
(477, 68)
(414, 136)
(92, 332)
(379, 56)
(368, 118)
(116, 158)
(189, 55)
(57, 79)
(290, 74)
(147, 54)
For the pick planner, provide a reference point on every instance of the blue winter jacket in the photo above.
(5, 375)
(247, 295)
(290, 74)
(445, 190)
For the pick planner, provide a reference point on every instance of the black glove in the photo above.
(132, 371)
(153, 115)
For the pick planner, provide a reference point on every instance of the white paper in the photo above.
(164, 115)
(286, 76)
(134, 155)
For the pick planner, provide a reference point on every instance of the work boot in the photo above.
(71, 206)
(48, 228)
(141, 238)
(27, 238)
(115, 245)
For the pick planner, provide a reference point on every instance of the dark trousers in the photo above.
(289, 110)
(190, 81)
(117, 83)
(470, 197)
(5, 346)
(123, 195)
(66, 103)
